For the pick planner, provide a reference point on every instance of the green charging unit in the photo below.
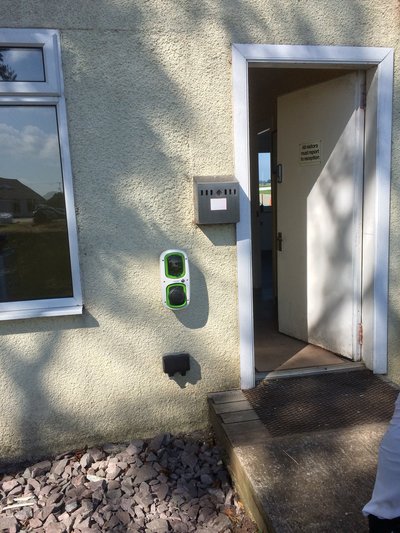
(175, 279)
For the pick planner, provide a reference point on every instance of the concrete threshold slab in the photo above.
(315, 481)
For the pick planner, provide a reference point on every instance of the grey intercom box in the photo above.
(216, 200)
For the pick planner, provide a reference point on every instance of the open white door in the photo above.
(319, 213)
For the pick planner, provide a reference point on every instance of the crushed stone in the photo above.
(166, 484)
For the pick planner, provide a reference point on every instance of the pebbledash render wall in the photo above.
(149, 101)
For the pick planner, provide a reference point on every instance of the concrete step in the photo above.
(314, 481)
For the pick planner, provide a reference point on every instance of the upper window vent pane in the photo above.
(21, 64)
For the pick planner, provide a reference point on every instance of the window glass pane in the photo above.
(21, 64)
(34, 249)
(264, 178)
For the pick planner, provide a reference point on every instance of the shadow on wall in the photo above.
(195, 316)
(162, 127)
(85, 321)
(219, 235)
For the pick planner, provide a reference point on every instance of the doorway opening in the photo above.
(374, 204)
(279, 347)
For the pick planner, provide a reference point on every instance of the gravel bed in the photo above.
(167, 484)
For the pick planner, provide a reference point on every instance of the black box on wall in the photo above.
(174, 363)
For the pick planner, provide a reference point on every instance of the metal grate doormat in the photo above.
(288, 406)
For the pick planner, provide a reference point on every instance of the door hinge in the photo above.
(360, 333)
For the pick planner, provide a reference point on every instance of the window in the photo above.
(39, 269)
(264, 178)
(264, 144)
(21, 64)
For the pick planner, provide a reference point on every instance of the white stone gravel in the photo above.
(167, 484)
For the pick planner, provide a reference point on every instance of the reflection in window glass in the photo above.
(34, 250)
(21, 64)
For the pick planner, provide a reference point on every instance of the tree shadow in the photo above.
(149, 106)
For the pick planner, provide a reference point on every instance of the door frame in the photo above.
(378, 62)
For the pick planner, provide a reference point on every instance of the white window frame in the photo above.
(48, 93)
(380, 59)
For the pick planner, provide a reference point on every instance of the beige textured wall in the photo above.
(148, 89)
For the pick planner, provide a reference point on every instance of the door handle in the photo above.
(279, 241)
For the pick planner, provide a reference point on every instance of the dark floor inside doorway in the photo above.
(275, 351)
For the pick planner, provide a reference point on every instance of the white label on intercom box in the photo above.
(218, 204)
